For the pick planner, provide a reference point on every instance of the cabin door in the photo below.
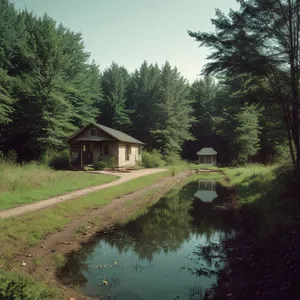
(87, 154)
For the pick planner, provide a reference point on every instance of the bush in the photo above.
(106, 162)
(152, 159)
(100, 165)
(59, 160)
(173, 159)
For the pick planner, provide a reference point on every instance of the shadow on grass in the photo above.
(263, 259)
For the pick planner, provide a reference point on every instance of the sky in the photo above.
(131, 31)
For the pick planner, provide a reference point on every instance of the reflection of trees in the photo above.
(171, 221)
(71, 273)
(164, 228)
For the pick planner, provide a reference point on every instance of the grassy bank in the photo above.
(265, 195)
(21, 184)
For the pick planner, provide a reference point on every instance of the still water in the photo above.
(171, 252)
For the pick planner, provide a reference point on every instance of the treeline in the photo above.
(256, 50)
(49, 87)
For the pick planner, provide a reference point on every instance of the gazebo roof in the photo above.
(207, 151)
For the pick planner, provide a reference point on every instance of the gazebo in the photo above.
(207, 156)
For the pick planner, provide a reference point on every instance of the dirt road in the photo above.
(20, 210)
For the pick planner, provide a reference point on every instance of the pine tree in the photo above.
(142, 98)
(173, 112)
(113, 108)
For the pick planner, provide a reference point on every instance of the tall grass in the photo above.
(21, 184)
(252, 182)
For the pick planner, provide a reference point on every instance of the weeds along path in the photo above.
(20, 210)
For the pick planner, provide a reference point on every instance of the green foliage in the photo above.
(114, 82)
(204, 92)
(48, 87)
(152, 159)
(142, 98)
(59, 160)
(238, 49)
(106, 162)
(172, 159)
(173, 111)
(11, 157)
(15, 286)
(100, 165)
(247, 133)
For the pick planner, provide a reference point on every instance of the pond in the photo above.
(172, 251)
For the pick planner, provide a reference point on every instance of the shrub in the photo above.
(59, 160)
(106, 162)
(109, 161)
(173, 159)
(100, 165)
(11, 157)
(152, 159)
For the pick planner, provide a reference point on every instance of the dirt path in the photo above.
(20, 210)
(92, 221)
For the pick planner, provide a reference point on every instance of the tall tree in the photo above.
(142, 100)
(173, 111)
(42, 115)
(8, 39)
(247, 133)
(114, 85)
(262, 39)
(204, 92)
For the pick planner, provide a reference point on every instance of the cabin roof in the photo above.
(207, 151)
(116, 134)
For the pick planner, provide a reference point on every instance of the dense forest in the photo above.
(243, 106)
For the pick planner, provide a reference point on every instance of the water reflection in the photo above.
(172, 251)
(207, 190)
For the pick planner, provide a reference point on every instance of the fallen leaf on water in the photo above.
(105, 282)
(115, 262)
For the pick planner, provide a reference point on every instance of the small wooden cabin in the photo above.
(94, 142)
(207, 156)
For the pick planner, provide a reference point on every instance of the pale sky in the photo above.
(131, 31)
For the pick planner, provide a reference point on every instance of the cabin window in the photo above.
(106, 149)
(140, 150)
(93, 132)
(128, 152)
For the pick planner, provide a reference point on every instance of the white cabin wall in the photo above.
(134, 157)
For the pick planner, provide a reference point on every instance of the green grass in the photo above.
(265, 196)
(252, 182)
(21, 286)
(22, 184)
